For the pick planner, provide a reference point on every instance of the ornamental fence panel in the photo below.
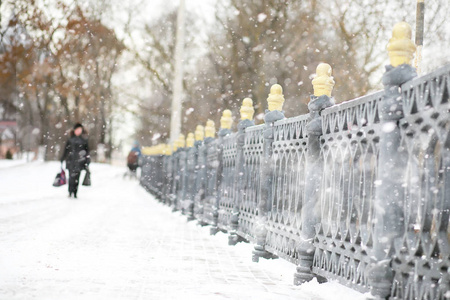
(168, 178)
(228, 187)
(200, 181)
(284, 218)
(181, 180)
(377, 161)
(253, 150)
(176, 180)
(212, 165)
(191, 174)
(422, 253)
(349, 150)
(145, 165)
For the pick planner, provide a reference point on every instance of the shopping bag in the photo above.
(87, 178)
(60, 179)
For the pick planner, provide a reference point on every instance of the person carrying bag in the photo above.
(76, 155)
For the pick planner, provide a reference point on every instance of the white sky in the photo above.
(148, 12)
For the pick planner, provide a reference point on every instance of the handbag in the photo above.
(60, 178)
(87, 178)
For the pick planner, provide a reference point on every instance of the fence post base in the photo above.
(234, 239)
(260, 252)
(213, 230)
(305, 261)
(381, 277)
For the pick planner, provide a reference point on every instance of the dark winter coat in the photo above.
(76, 153)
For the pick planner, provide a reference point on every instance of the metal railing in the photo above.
(250, 189)
(422, 249)
(228, 184)
(349, 150)
(358, 192)
(288, 186)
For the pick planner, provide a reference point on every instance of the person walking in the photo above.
(133, 158)
(76, 155)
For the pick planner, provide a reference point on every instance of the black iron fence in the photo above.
(358, 192)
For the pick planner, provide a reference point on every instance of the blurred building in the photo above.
(8, 137)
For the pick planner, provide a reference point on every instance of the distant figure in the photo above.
(133, 158)
(8, 154)
(76, 154)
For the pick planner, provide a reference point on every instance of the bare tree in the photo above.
(60, 79)
(156, 57)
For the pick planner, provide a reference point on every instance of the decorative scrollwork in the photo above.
(284, 216)
(426, 92)
(425, 245)
(380, 157)
(253, 149)
(228, 187)
(212, 164)
(349, 147)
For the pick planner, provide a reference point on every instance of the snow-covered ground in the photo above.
(8, 163)
(116, 242)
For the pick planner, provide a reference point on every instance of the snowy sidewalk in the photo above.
(117, 242)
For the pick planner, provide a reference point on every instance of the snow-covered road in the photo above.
(117, 242)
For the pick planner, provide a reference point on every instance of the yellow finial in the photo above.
(160, 149)
(146, 151)
(199, 133)
(178, 143)
(210, 130)
(323, 83)
(156, 149)
(152, 150)
(276, 98)
(247, 109)
(167, 150)
(190, 140)
(401, 48)
(226, 120)
(181, 141)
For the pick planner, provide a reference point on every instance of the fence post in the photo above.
(388, 219)
(178, 171)
(173, 166)
(142, 161)
(247, 112)
(225, 129)
(183, 174)
(323, 84)
(189, 175)
(167, 166)
(200, 170)
(158, 170)
(273, 114)
(210, 184)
